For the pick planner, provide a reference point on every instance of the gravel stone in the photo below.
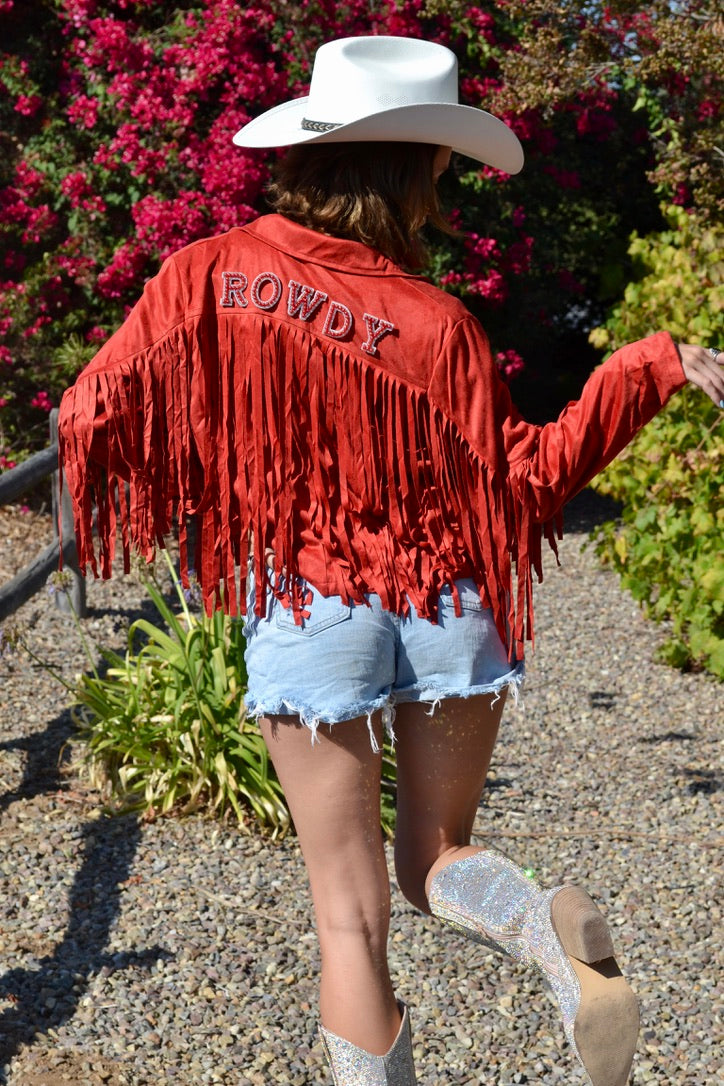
(183, 952)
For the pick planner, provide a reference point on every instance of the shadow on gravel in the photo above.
(492, 783)
(45, 992)
(668, 737)
(589, 509)
(706, 781)
(44, 760)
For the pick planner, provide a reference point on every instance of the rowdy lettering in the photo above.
(376, 329)
(262, 281)
(234, 285)
(339, 322)
(304, 303)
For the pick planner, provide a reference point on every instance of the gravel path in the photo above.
(183, 952)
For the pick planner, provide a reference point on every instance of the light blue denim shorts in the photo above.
(347, 661)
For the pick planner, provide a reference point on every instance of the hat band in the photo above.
(318, 126)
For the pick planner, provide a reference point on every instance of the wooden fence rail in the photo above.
(13, 485)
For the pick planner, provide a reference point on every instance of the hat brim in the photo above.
(468, 130)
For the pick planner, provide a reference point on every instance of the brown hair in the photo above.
(381, 194)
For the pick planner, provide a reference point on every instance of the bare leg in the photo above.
(333, 792)
(442, 763)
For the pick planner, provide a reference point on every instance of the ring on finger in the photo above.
(714, 352)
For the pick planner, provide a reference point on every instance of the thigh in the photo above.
(442, 763)
(332, 786)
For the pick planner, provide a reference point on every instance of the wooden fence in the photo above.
(13, 485)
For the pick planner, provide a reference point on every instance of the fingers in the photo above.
(704, 370)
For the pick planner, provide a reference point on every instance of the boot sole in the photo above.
(607, 1022)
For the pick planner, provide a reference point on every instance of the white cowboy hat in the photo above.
(389, 89)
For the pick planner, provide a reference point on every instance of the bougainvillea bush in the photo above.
(117, 117)
(125, 113)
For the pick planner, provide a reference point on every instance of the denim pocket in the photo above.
(469, 597)
(320, 613)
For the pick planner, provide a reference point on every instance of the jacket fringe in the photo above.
(278, 439)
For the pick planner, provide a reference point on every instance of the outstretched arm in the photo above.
(548, 465)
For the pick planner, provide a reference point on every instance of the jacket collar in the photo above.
(315, 248)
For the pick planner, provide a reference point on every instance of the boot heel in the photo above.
(581, 928)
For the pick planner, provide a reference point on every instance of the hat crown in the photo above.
(355, 77)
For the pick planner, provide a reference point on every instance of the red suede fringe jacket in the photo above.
(303, 392)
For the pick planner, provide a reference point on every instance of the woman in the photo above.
(337, 423)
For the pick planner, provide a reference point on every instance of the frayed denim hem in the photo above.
(512, 681)
(312, 719)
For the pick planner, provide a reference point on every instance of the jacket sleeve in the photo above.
(93, 419)
(548, 465)
(130, 426)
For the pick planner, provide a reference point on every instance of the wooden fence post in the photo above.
(74, 598)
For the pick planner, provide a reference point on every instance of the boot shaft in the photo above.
(352, 1066)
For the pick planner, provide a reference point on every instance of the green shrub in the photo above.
(667, 546)
(164, 725)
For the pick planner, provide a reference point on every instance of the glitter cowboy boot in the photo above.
(559, 932)
(352, 1066)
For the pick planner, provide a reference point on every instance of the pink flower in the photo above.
(167, 225)
(484, 22)
(483, 247)
(478, 90)
(565, 179)
(83, 111)
(123, 272)
(79, 11)
(519, 255)
(75, 186)
(40, 221)
(29, 180)
(492, 287)
(42, 401)
(708, 108)
(597, 123)
(77, 267)
(28, 104)
(38, 323)
(509, 364)
(128, 145)
(682, 195)
(105, 158)
(451, 279)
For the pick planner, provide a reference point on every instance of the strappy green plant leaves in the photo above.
(164, 725)
(388, 798)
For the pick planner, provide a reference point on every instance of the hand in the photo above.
(702, 369)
